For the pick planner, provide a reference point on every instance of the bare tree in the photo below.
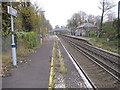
(111, 16)
(105, 6)
(91, 19)
(77, 19)
(97, 21)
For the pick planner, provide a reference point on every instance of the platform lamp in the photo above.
(41, 32)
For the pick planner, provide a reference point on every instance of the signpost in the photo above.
(13, 12)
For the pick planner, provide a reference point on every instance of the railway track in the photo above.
(104, 63)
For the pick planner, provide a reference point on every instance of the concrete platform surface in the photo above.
(34, 73)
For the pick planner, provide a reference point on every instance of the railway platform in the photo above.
(35, 72)
(74, 67)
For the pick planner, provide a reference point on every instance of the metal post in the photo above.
(118, 10)
(118, 25)
(13, 41)
(40, 39)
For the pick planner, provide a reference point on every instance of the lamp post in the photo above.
(41, 32)
(118, 10)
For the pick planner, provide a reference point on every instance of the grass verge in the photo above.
(104, 43)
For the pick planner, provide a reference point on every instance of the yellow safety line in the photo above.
(50, 86)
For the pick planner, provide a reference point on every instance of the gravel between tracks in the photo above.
(98, 77)
(71, 78)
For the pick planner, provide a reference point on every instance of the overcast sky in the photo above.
(59, 11)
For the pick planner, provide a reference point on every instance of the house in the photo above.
(83, 29)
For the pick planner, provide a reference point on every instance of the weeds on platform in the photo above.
(59, 63)
(62, 68)
(59, 66)
(6, 60)
(52, 59)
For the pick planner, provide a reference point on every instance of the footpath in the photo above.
(35, 72)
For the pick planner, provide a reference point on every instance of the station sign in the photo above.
(12, 11)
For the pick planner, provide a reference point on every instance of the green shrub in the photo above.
(28, 39)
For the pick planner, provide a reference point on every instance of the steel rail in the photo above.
(115, 63)
(107, 52)
(80, 69)
(107, 68)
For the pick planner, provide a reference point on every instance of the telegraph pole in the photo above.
(118, 10)
(13, 40)
(119, 19)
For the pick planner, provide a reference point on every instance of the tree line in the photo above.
(80, 18)
(30, 18)
(107, 23)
